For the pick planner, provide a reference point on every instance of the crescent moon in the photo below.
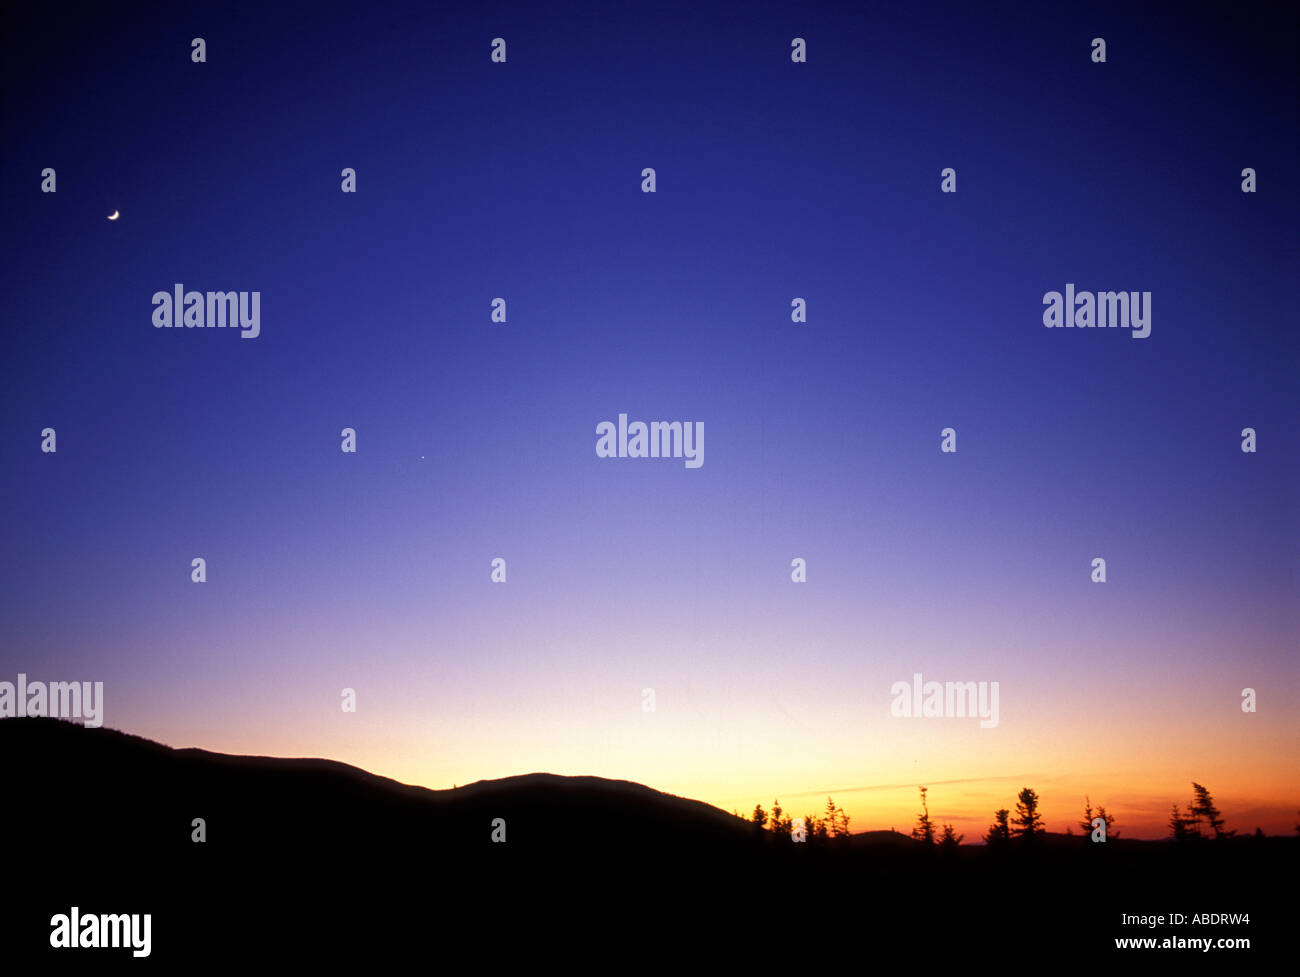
(114, 216)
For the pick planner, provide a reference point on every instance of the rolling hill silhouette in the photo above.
(296, 806)
(314, 860)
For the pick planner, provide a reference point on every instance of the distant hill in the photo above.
(885, 838)
(305, 806)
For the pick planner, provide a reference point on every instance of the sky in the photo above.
(476, 439)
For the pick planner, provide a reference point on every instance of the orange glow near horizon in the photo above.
(871, 767)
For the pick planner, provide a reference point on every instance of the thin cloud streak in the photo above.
(931, 783)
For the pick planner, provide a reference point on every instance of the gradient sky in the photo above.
(477, 440)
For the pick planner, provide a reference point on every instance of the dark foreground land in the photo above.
(313, 862)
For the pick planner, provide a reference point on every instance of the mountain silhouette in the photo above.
(314, 861)
(304, 806)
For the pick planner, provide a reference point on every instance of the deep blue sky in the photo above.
(522, 180)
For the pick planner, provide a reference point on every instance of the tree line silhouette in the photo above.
(1028, 823)
(1201, 820)
(1201, 811)
(834, 825)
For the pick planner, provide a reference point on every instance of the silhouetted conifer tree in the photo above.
(1027, 822)
(1000, 830)
(1086, 823)
(780, 825)
(1109, 819)
(1182, 826)
(924, 830)
(1203, 809)
(949, 840)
